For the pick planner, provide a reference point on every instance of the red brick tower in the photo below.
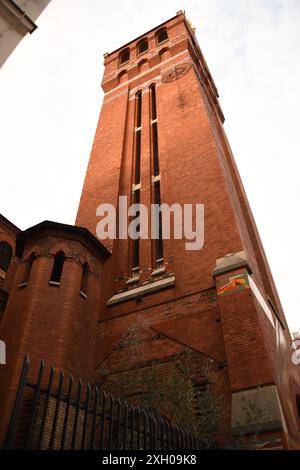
(160, 139)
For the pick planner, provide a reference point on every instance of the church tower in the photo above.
(160, 140)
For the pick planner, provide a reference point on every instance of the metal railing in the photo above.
(58, 412)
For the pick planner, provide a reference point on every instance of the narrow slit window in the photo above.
(84, 279)
(156, 173)
(153, 102)
(138, 157)
(138, 138)
(58, 265)
(154, 131)
(136, 242)
(139, 109)
(6, 254)
(159, 253)
(155, 149)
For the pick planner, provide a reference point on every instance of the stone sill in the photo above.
(140, 291)
(132, 280)
(158, 271)
(23, 284)
(53, 283)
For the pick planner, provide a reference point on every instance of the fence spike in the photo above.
(95, 411)
(45, 411)
(86, 415)
(77, 410)
(35, 402)
(9, 440)
(67, 411)
(102, 423)
(58, 401)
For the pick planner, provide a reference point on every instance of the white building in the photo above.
(17, 18)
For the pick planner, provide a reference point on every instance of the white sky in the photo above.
(50, 98)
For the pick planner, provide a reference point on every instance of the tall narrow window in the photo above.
(27, 268)
(137, 178)
(84, 279)
(138, 137)
(136, 242)
(159, 252)
(156, 177)
(58, 265)
(6, 254)
(154, 131)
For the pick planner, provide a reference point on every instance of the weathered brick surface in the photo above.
(197, 167)
(49, 322)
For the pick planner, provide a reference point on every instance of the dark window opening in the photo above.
(298, 405)
(6, 254)
(139, 109)
(138, 157)
(159, 252)
(154, 131)
(161, 35)
(153, 102)
(58, 265)
(143, 46)
(84, 278)
(138, 138)
(2, 307)
(136, 242)
(124, 56)
(28, 268)
(155, 149)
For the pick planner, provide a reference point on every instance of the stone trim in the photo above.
(140, 291)
(230, 262)
(268, 404)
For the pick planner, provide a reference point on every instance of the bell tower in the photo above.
(160, 140)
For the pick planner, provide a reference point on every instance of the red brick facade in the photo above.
(219, 301)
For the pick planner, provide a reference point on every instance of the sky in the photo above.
(50, 99)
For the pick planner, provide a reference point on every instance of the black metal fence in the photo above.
(58, 412)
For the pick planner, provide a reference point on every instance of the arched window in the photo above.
(58, 265)
(27, 268)
(84, 279)
(161, 35)
(142, 45)
(6, 254)
(124, 56)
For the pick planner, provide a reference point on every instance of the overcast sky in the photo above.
(50, 98)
